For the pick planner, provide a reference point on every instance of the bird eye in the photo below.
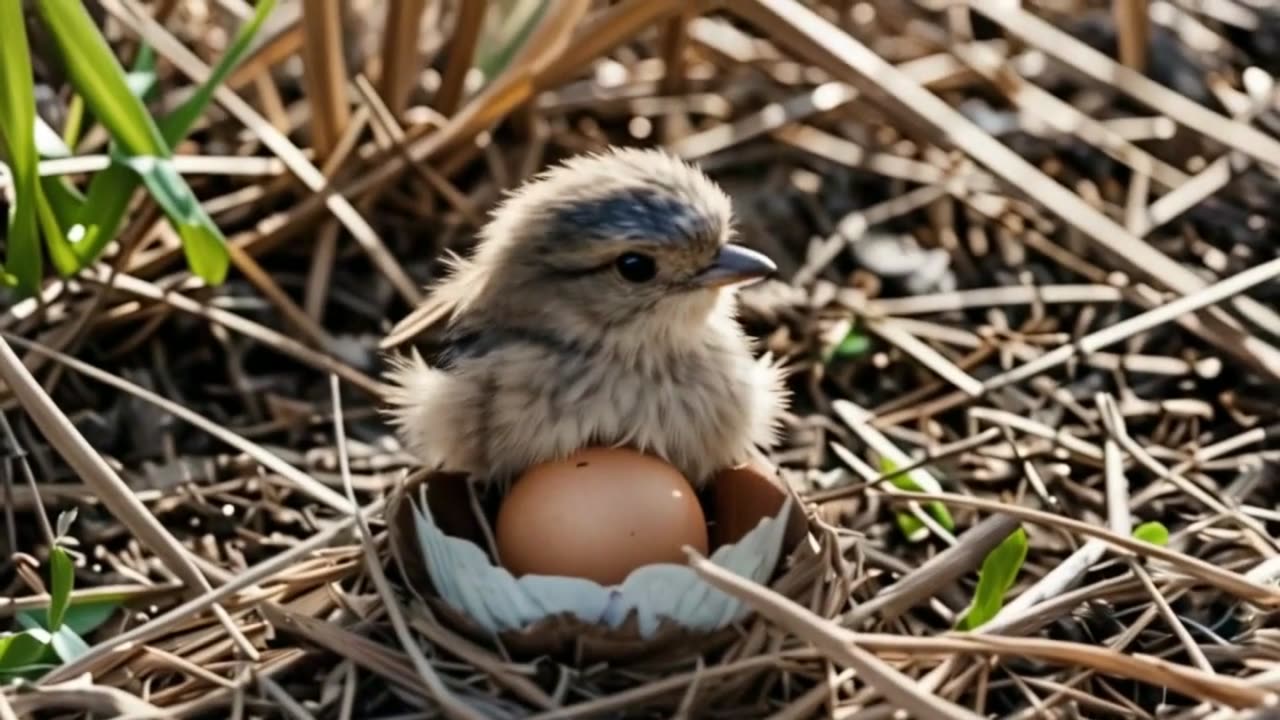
(636, 268)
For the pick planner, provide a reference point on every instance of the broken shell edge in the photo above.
(656, 607)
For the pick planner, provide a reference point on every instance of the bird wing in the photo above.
(430, 313)
(440, 305)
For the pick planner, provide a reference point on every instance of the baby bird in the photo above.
(598, 308)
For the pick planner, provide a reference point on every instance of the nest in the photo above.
(757, 528)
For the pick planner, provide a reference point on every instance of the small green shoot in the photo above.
(178, 123)
(62, 575)
(1153, 532)
(999, 571)
(506, 31)
(855, 344)
(55, 634)
(909, 524)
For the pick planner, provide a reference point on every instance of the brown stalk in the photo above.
(1058, 44)
(162, 624)
(279, 39)
(438, 691)
(1133, 32)
(941, 570)
(833, 641)
(461, 52)
(400, 57)
(274, 339)
(324, 72)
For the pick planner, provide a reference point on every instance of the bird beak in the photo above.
(733, 265)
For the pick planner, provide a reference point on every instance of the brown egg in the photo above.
(598, 515)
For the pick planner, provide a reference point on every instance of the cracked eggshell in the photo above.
(438, 543)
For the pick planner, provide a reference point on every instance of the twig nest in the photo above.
(441, 539)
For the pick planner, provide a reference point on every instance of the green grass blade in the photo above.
(75, 121)
(111, 190)
(17, 128)
(855, 344)
(175, 126)
(500, 45)
(999, 571)
(911, 527)
(58, 202)
(204, 247)
(99, 78)
(62, 579)
(65, 199)
(60, 250)
(83, 617)
(142, 78)
(104, 206)
(97, 75)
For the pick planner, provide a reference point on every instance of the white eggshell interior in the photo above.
(465, 578)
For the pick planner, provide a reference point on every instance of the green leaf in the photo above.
(204, 246)
(911, 527)
(178, 123)
(1153, 532)
(18, 650)
(62, 578)
(17, 129)
(68, 645)
(999, 572)
(111, 190)
(104, 206)
(60, 251)
(75, 121)
(142, 78)
(65, 200)
(97, 75)
(82, 617)
(85, 617)
(855, 344)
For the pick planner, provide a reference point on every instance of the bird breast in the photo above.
(533, 403)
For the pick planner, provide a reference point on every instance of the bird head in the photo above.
(613, 240)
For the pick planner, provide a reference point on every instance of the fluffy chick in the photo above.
(597, 309)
